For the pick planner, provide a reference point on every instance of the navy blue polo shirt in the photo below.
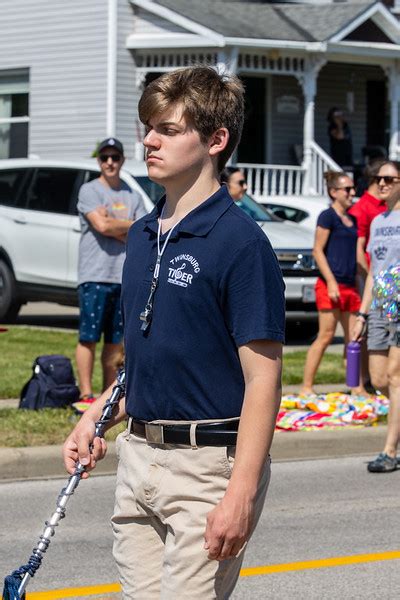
(220, 286)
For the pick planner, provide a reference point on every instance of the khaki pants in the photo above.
(163, 496)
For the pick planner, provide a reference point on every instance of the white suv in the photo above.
(40, 231)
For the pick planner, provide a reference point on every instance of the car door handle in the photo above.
(77, 229)
(20, 221)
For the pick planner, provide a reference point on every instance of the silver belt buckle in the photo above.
(154, 433)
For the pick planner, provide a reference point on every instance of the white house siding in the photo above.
(286, 128)
(127, 124)
(334, 82)
(64, 44)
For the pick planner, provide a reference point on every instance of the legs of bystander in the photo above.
(327, 320)
(347, 320)
(393, 371)
(378, 368)
(110, 356)
(85, 355)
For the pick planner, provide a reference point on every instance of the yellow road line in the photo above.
(92, 590)
(321, 563)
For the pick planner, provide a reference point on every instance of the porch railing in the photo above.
(264, 181)
(319, 162)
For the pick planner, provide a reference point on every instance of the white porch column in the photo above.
(139, 128)
(233, 56)
(112, 67)
(308, 82)
(393, 73)
(221, 61)
(228, 62)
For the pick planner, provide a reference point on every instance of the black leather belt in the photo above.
(206, 434)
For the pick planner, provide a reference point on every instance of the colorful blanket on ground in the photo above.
(307, 413)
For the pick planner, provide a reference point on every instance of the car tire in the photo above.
(9, 303)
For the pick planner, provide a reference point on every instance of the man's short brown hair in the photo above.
(210, 100)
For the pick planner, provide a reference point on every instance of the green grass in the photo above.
(331, 369)
(19, 346)
(19, 428)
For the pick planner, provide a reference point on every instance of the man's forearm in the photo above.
(115, 227)
(256, 430)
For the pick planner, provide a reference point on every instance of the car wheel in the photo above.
(9, 303)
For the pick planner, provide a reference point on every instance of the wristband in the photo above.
(362, 315)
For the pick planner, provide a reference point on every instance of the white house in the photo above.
(71, 74)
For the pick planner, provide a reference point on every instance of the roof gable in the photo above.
(368, 32)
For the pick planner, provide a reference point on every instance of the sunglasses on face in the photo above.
(388, 179)
(347, 188)
(242, 182)
(114, 157)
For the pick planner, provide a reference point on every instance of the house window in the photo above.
(14, 113)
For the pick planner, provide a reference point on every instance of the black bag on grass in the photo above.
(52, 384)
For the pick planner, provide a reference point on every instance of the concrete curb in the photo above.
(45, 462)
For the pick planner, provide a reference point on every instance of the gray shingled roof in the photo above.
(296, 22)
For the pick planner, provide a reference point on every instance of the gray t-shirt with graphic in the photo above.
(101, 258)
(384, 241)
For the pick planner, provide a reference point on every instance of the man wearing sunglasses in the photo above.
(107, 208)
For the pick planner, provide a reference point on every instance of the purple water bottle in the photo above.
(353, 364)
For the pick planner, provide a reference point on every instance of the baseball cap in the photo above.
(111, 142)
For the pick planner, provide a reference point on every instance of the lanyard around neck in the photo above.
(160, 252)
(147, 314)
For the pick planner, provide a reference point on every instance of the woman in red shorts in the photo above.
(336, 294)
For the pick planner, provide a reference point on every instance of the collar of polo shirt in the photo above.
(200, 220)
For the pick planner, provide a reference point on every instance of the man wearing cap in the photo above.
(107, 207)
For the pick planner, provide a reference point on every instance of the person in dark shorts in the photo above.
(383, 334)
(336, 293)
(107, 208)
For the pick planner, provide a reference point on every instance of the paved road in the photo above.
(315, 510)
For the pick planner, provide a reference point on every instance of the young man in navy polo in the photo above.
(203, 310)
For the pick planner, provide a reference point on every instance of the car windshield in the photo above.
(254, 209)
(152, 189)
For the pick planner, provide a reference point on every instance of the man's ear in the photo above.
(218, 141)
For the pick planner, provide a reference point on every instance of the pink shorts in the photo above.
(349, 300)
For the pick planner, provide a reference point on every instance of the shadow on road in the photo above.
(57, 321)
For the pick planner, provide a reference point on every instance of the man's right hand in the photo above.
(76, 448)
